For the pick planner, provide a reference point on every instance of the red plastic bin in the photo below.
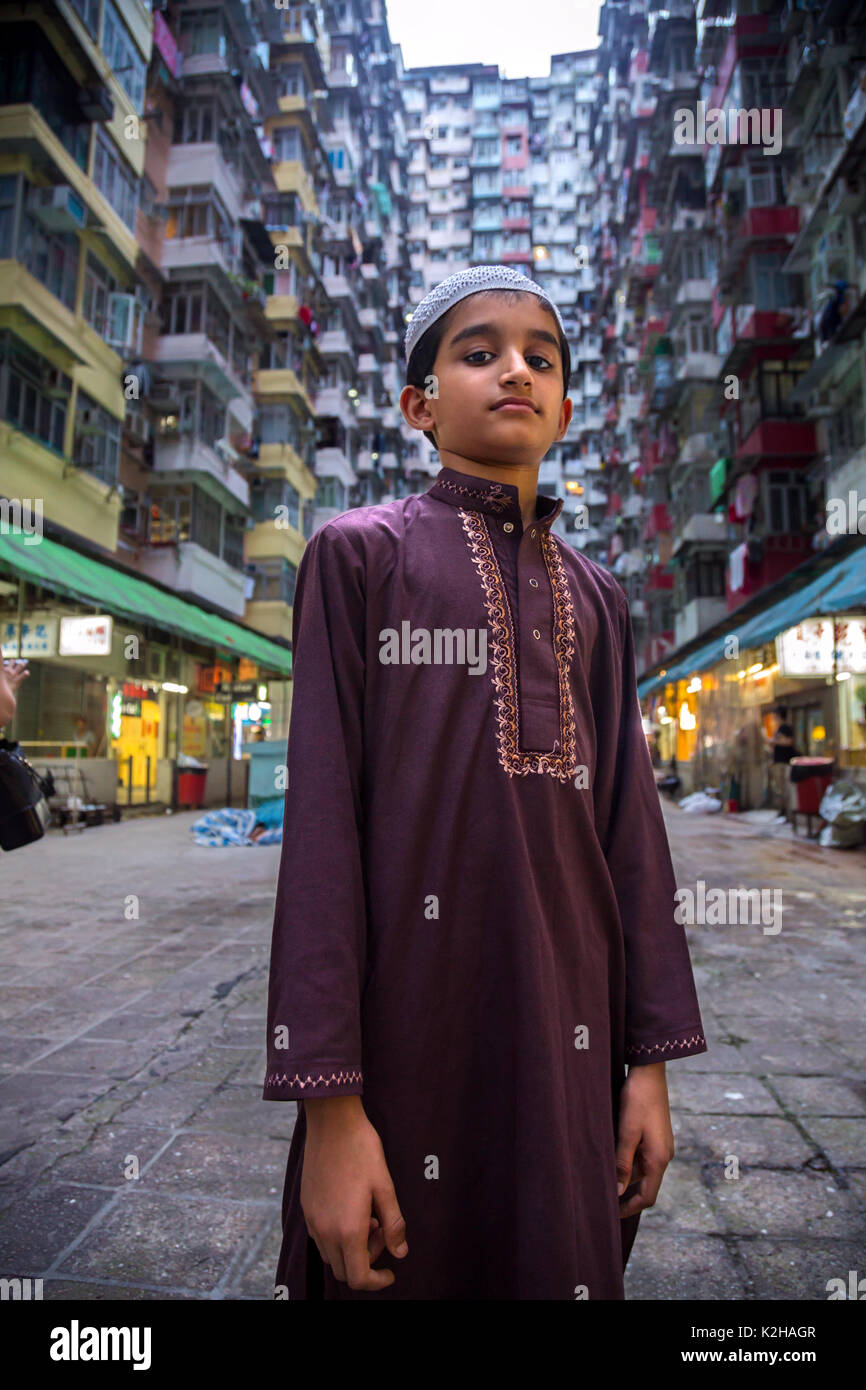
(811, 783)
(190, 787)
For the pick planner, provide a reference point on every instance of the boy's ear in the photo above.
(416, 408)
(566, 412)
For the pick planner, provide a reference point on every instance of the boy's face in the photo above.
(494, 347)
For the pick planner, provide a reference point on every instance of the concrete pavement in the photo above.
(137, 1159)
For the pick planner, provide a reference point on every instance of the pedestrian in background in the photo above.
(782, 751)
(12, 673)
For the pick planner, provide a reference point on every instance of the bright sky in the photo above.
(518, 35)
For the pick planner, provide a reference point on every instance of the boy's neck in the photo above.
(522, 476)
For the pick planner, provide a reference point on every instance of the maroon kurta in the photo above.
(474, 924)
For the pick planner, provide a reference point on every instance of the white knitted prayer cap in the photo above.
(472, 281)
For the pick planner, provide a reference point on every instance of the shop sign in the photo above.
(240, 689)
(134, 690)
(38, 638)
(247, 670)
(88, 636)
(807, 649)
(208, 678)
(129, 708)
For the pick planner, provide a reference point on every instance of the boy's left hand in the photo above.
(645, 1139)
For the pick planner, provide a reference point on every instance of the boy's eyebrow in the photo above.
(474, 328)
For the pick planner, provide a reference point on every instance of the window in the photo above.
(331, 494)
(275, 583)
(89, 11)
(288, 143)
(99, 283)
(763, 185)
(52, 257)
(9, 184)
(786, 502)
(96, 444)
(115, 182)
(848, 423)
(202, 32)
(772, 288)
(705, 577)
(195, 124)
(123, 56)
(33, 393)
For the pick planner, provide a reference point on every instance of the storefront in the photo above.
(718, 721)
(129, 690)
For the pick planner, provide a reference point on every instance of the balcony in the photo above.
(333, 401)
(190, 165)
(697, 616)
(267, 541)
(777, 222)
(334, 463)
(187, 455)
(702, 528)
(334, 341)
(194, 354)
(276, 384)
(791, 440)
(697, 292)
(777, 556)
(188, 568)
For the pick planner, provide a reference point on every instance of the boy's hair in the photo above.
(420, 364)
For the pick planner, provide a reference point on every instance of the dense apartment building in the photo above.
(205, 281)
(499, 172)
(728, 148)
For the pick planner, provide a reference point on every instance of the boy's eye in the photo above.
(535, 355)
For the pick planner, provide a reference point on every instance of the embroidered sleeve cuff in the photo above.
(688, 1043)
(290, 1084)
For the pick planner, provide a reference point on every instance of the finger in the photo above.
(375, 1244)
(644, 1195)
(393, 1225)
(358, 1271)
(333, 1256)
(625, 1157)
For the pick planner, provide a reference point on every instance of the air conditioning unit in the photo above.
(58, 209)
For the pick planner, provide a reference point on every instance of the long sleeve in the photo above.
(662, 1019)
(319, 933)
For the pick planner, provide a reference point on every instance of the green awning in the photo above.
(839, 589)
(76, 576)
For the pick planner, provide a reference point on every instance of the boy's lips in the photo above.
(516, 403)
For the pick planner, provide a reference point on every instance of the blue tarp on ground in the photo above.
(217, 829)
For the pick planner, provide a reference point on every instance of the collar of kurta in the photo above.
(482, 495)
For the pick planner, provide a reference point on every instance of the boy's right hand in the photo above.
(344, 1178)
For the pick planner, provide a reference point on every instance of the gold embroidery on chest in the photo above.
(562, 761)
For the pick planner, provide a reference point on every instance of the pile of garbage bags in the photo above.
(261, 826)
(843, 806)
(701, 803)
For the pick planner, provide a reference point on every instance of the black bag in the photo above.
(24, 810)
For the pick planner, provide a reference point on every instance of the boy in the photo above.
(474, 930)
